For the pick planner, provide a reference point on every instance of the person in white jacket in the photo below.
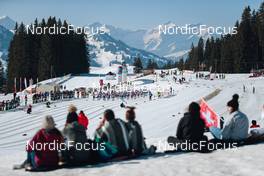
(236, 125)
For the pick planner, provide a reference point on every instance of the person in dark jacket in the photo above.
(135, 135)
(114, 132)
(75, 134)
(29, 109)
(39, 154)
(191, 127)
(72, 116)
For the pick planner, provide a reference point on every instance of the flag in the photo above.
(15, 89)
(208, 115)
(25, 82)
(20, 84)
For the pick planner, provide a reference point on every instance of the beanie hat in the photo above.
(48, 122)
(72, 117)
(234, 102)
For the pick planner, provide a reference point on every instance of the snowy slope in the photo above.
(159, 119)
(105, 50)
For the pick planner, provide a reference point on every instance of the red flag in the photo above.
(208, 115)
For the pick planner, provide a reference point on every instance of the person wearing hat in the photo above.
(236, 125)
(39, 153)
(135, 135)
(75, 135)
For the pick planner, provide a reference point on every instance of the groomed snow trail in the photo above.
(159, 120)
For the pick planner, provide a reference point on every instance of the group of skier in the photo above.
(112, 95)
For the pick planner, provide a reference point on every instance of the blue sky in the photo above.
(130, 14)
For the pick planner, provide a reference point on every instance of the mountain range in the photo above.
(118, 44)
(153, 40)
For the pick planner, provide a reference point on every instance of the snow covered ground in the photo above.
(159, 119)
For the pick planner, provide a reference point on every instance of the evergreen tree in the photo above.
(46, 55)
(149, 64)
(46, 64)
(138, 65)
(200, 52)
(180, 64)
(236, 53)
(2, 78)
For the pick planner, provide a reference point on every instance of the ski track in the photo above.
(159, 119)
(30, 124)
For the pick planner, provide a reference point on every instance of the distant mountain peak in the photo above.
(7, 22)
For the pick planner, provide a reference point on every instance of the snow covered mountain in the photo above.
(3, 60)
(5, 39)
(170, 46)
(118, 43)
(7, 22)
(106, 50)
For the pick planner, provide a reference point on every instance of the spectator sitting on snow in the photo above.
(113, 132)
(254, 124)
(190, 129)
(72, 115)
(236, 125)
(75, 134)
(45, 157)
(191, 126)
(135, 135)
(83, 120)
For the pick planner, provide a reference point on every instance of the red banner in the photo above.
(208, 115)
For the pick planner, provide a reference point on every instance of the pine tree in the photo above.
(236, 53)
(200, 51)
(180, 64)
(45, 56)
(46, 64)
(2, 78)
(149, 64)
(138, 65)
